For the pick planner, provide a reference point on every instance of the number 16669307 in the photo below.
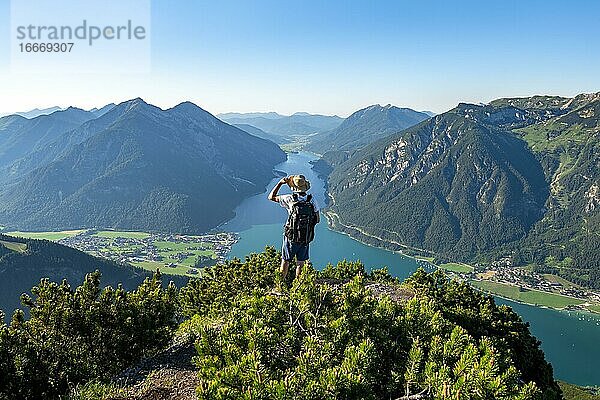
(45, 47)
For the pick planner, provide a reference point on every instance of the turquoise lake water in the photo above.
(569, 339)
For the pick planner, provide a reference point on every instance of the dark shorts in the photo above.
(290, 250)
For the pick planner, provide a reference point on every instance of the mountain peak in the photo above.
(71, 109)
(379, 108)
(191, 110)
(137, 104)
(188, 106)
(137, 101)
(365, 126)
(371, 107)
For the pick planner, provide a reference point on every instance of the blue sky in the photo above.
(334, 57)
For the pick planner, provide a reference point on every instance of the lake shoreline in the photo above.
(584, 312)
(334, 223)
(568, 338)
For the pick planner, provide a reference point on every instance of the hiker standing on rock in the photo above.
(299, 230)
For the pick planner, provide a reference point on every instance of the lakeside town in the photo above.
(504, 279)
(172, 253)
(502, 273)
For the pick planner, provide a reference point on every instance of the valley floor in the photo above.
(171, 253)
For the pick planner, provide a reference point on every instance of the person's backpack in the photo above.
(300, 225)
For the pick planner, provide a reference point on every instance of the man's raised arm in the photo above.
(273, 195)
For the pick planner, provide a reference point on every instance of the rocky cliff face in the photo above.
(592, 196)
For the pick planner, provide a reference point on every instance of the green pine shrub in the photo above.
(76, 335)
(324, 341)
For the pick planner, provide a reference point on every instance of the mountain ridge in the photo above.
(19, 135)
(36, 112)
(288, 127)
(153, 163)
(524, 171)
(365, 126)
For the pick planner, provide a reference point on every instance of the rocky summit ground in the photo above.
(169, 375)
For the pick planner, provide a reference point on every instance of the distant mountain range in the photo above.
(20, 136)
(36, 112)
(266, 115)
(262, 134)
(133, 167)
(364, 127)
(517, 178)
(285, 127)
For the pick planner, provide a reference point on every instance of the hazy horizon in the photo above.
(333, 59)
(345, 115)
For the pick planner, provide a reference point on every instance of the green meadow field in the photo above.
(54, 236)
(178, 258)
(534, 297)
(122, 234)
(456, 267)
(19, 247)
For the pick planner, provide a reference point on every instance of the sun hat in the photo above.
(298, 183)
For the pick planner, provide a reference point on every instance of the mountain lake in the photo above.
(569, 339)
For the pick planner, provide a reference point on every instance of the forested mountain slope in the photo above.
(142, 168)
(23, 262)
(567, 239)
(517, 177)
(19, 135)
(364, 127)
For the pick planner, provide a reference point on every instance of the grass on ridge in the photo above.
(18, 247)
(53, 236)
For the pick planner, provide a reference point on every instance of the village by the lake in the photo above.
(170, 253)
(525, 285)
